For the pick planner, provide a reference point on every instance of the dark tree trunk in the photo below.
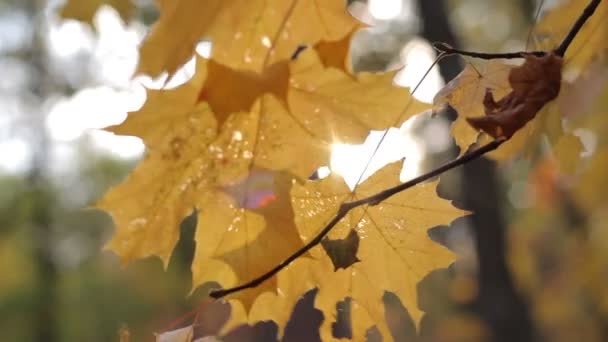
(498, 304)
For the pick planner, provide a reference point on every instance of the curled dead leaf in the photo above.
(534, 83)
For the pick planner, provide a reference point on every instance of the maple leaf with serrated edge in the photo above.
(149, 225)
(244, 231)
(84, 10)
(534, 84)
(394, 252)
(466, 93)
(181, 172)
(246, 34)
(207, 147)
(311, 107)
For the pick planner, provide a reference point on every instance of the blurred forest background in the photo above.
(62, 79)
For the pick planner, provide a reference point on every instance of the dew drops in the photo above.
(247, 57)
(137, 224)
(266, 41)
(139, 221)
(237, 136)
(184, 185)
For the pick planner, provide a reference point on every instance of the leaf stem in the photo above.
(348, 206)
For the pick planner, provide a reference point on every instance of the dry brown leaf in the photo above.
(533, 84)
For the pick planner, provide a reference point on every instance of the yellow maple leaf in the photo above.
(357, 104)
(394, 251)
(246, 34)
(148, 207)
(590, 43)
(311, 108)
(184, 170)
(84, 10)
(149, 225)
(243, 231)
(210, 155)
(465, 93)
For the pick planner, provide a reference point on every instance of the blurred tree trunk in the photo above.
(436, 28)
(498, 304)
(528, 8)
(45, 310)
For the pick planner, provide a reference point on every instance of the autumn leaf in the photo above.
(465, 93)
(394, 251)
(246, 35)
(236, 143)
(245, 232)
(533, 84)
(148, 207)
(337, 54)
(84, 10)
(183, 170)
(215, 152)
(312, 107)
(468, 94)
(150, 225)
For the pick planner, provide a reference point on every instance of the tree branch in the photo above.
(560, 51)
(348, 206)
(582, 19)
(447, 49)
(383, 195)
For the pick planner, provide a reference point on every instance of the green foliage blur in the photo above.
(64, 287)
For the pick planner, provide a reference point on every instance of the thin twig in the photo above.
(448, 49)
(582, 19)
(348, 206)
(560, 51)
(344, 209)
(383, 195)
